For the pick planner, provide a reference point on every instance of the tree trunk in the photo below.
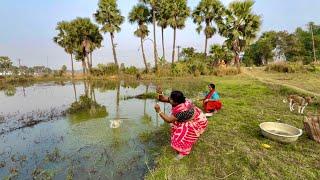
(114, 50)
(313, 46)
(90, 60)
(83, 67)
(143, 55)
(174, 44)
(88, 65)
(74, 91)
(163, 52)
(205, 46)
(237, 61)
(72, 70)
(155, 41)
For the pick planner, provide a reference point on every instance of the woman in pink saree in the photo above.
(187, 122)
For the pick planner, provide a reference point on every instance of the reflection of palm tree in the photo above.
(116, 122)
(24, 91)
(74, 91)
(145, 101)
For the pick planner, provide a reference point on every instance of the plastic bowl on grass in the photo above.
(280, 132)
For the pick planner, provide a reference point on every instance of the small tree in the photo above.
(5, 64)
(239, 26)
(220, 53)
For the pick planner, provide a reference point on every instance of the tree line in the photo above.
(301, 45)
(237, 23)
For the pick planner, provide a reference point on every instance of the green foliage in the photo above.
(178, 13)
(149, 95)
(84, 104)
(109, 16)
(240, 26)
(103, 70)
(207, 11)
(259, 53)
(132, 70)
(220, 53)
(5, 64)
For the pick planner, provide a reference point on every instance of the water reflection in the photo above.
(103, 141)
(10, 91)
(87, 107)
(115, 123)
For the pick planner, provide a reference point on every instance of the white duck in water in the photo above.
(115, 123)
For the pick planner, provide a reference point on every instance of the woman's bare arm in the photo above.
(167, 118)
(162, 97)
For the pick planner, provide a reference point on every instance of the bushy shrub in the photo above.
(132, 70)
(226, 71)
(102, 70)
(286, 67)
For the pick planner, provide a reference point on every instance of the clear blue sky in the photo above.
(27, 29)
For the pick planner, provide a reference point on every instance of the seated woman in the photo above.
(187, 122)
(212, 103)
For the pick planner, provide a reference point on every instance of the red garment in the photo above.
(185, 134)
(211, 106)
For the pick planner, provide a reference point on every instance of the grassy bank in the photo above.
(231, 146)
(307, 80)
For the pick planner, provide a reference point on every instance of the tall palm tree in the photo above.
(179, 12)
(154, 4)
(207, 11)
(65, 40)
(162, 17)
(310, 25)
(141, 15)
(240, 27)
(109, 16)
(87, 39)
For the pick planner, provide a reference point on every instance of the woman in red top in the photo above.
(212, 103)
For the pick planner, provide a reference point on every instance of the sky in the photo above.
(28, 27)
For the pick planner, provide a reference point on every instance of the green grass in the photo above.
(231, 146)
(308, 81)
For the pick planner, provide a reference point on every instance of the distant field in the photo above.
(307, 81)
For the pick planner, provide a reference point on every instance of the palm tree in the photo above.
(310, 25)
(206, 12)
(141, 15)
(179, 12)
(154, 4)
(65, 40)
(162, 17)
(87, 39)
(109, 16)
(240, 27)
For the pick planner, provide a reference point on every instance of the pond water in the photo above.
(96, 144)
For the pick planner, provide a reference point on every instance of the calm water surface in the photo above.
(81, 146)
